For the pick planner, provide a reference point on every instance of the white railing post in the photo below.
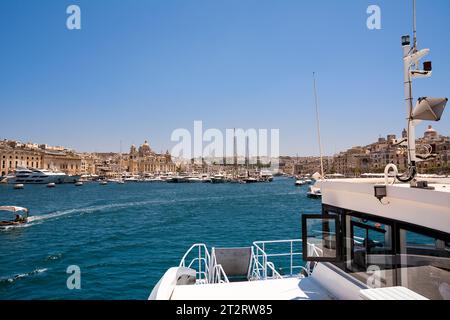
(200, 261)
(291, 256)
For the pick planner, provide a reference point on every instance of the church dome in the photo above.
(430, 132)
(144, 149)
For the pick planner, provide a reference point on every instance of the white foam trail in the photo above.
(88, 210)
(23, 275)
(39, 218)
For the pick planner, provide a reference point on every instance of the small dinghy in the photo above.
(21, 216)
(51, 185)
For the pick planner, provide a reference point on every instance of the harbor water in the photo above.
(124, 237)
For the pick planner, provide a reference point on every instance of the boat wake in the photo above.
(38, 219)
(22, 275)
(87, 210)
(6, 228)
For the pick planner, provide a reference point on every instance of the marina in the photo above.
(140, 229)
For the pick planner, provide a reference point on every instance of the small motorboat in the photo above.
(78, 183)
(18, 186)
(218, 178)
(300, 182)
(51, 185)
(103, 183)
(21, 216)
(251, 180)
(314, 192)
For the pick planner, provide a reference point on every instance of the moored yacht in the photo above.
(36, 176)
(194, 179)
(218, 178)
(314, 191)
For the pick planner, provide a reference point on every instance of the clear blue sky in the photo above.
(139, 69)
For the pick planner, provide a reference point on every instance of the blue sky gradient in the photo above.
(140, 69)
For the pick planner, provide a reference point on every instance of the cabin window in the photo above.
(369, 252)
(425, 264)
(320, 239)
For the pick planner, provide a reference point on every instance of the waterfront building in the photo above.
(304, 165)
(64, 161)
(14, 154)
(144, 160)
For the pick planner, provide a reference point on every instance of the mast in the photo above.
(427, 108)
(318, 125)
(414, 27)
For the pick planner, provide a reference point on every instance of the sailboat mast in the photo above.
(318, 125)
(414, 27)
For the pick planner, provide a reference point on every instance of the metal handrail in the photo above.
(217, 273)
(261, 259)
(209, 271)
(203, 258)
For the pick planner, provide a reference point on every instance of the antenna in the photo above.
(427, 108)
(318, 124)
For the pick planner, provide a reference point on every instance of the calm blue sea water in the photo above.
(124, 237)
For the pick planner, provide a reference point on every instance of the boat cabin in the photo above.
(384, 235)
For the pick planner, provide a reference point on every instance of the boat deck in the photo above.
(281, 289)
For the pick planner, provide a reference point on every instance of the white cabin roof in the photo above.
(422, 207)
(13, 208)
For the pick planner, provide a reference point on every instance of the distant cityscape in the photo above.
(374, 157)
(143, 160)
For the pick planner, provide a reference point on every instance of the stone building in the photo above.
(14, 155)
(374, 157)
(67, 162)
(145, 160)
(437, 144)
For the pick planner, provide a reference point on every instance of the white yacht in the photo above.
(314, 190)
(195, 179)
(218, 178)
(374, 239)
(36, 176)
(266, 176)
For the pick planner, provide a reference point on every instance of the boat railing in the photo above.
(201, 263)
(265, 254)
(216, 272)
(264, 268)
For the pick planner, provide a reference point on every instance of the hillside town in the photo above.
(143, 160)
(374, 157)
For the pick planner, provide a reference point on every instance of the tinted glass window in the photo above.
(321, 237)
(424, 265)
(370, 256)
